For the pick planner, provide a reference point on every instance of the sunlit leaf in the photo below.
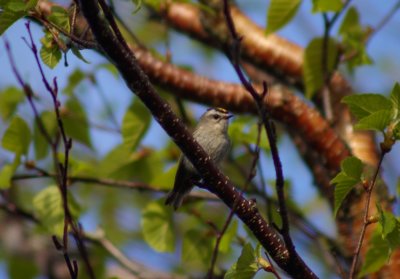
(48, 207)
(135, 124)
(327, 5)
(138, 5)
(78, 54)
(377, 121)
(246, 266)
(197, 248)
(76, 122)
(50, 56)
(40, 142)
(363, 105)
(227, 238)
(157, 227)
(17, 136)
(8, 17)
(350, 175)
(165, 180)
(280, 12)
(74, 79)
(313, 67)
(377, 255)
(8, 171)
(9, 100)
(395, 99)
(60, 17)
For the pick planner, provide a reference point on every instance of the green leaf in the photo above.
(350, 21)
(76, 123)
(48, 207)
(138, 5)
(165, 180)
(74, 79)
(31, 4)
(354, 37)
(390, 228)
(9, 100)
(108, 67)
(387, 221)
(78, 54)
(246, 267)
(50, 55)
(313, 64)
(377, 121)
(157, 227)
(244, 130)
(6, 174)
(395, 99)
(135, 124)
(22, 267)
(17, 136)
(39, 141)
(377, 255)
(327, 6)
(197, 248)
(396, 131)
(8, 171)
(363, 105)
(350, 175)
(60, 17)
(8, 17)
(280, 12)
(227, 238)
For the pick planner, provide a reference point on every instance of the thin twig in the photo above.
(61, 169)
(258, 98)
(250, 176)
(385, 20)
(111, 182)
(114, 26)
(327, 74)
(365, 218)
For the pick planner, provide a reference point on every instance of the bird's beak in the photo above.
(229, 115)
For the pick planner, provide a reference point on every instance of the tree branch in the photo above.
(139, 83)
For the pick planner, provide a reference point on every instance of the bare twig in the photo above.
(250, 176)
(61, 168)
(268, 125)
(112, 183)
(328, 24)
(385, 20)
(365, 217)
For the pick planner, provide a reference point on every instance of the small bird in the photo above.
(212, 134)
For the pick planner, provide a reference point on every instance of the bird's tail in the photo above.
(175, 199)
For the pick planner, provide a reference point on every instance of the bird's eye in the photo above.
(216, 116)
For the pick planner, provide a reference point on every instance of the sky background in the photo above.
(377, 78)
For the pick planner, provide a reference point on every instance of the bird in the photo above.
(211, 133)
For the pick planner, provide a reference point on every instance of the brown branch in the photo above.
(139, 270)
(139, 83)
(281, 103)
(268, 125)
(124, 184)
(365, 217)
(250, 176)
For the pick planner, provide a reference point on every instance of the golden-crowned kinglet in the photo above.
(212, 134)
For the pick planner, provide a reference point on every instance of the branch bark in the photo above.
(139, 83)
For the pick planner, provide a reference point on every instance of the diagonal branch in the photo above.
(139, 83)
